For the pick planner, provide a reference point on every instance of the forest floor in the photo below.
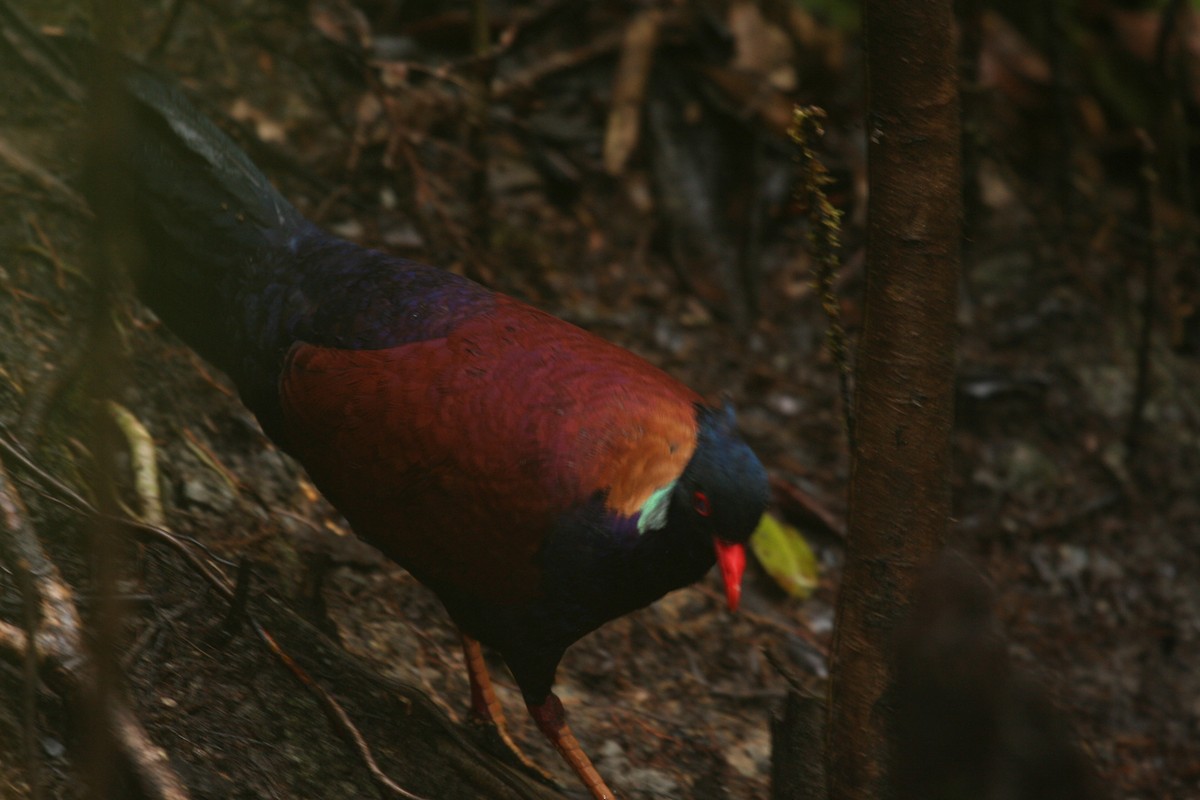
(1093, 555)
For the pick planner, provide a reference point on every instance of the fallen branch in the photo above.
(58, 643)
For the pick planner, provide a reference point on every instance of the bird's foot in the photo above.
(552, 721)
(494, 739)
(487, 717)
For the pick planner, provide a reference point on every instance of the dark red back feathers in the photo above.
(458, 454)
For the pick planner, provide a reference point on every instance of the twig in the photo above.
(210, 460)
(145, 462)
(222, 585)
(558, 62)
(58, 648)
(336, 715)
(37, 55)
(804, 510)
(21, 456)
(112, 256)
(785, 671)
(23, 165)
(21, 295)
(58, 619)
(29, 690)
(207, 376)
(450, 72)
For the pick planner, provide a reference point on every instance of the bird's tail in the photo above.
(207, 226)
(196, 196)
(204, 226)
(193, 190)
(202, 217)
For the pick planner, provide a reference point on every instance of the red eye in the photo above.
(700, 503)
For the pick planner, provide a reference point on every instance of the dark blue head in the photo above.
(599, 565)
(721, 494)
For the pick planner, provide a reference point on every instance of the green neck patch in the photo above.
(654, 511)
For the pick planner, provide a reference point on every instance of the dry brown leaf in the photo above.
(629, 90)
(761, 47)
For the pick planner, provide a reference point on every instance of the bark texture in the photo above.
(904, 402)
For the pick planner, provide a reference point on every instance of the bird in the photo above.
(540, 480)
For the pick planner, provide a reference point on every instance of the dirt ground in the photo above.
(1094, 558)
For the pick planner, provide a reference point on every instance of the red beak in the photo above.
(731, 558)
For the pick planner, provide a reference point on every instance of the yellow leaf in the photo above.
(785, 556)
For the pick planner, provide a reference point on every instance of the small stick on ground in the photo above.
(126, 726)
(31, 170)
(58, 648)
(30, 619)
(337, 716)
(144, 461)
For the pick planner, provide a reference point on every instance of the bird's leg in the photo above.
(552, 721)
(486, 710)
(485, 707)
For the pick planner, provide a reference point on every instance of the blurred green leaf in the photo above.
(785, 555)
(843, 15)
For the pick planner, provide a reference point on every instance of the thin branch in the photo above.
(23, 165)
(11, 637)
(144, 460)
(336, 715)
(30, 619)
(58, 649)
(602, 45)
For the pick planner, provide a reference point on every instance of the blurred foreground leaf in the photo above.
(785, 555)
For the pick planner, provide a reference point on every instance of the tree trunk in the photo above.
(899, 493)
